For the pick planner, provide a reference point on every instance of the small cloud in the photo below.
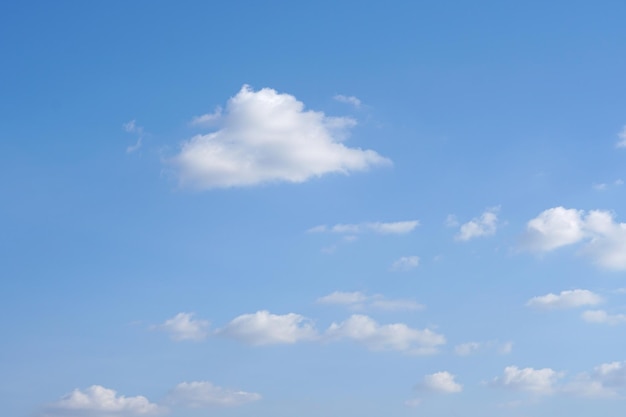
(98, 401)
(184, 327)
(485, 225)
(566, 299)
(360, 301)
(600, 187)
(264, 328)
(405, 263)
(536, 381)
(388, 337)
(443, 382)
(602, 317)
(200, 394)
(382, 228)
(348, 100)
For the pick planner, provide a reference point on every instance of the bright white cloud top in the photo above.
(604, 238)
(200, 394)
(265, 136)
(566, 299)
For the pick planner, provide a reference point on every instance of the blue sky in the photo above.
(322, 209)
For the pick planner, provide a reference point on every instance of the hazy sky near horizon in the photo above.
(280, 209)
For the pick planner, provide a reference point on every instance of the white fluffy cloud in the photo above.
(441, 382)
(383, 228)
(358, 300)
(98, 401)
(264, 328)
(536, 381)
(264, 136)
(348, 100)
(374, 336)
(622, 139)
(184, 327)
(566, 299)
(405, 263)
(602, 317)
(485, 225)
(605, 239)
(199, 394)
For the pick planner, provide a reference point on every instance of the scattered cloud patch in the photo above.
(208, 119)
(441, 382)
(395, 337)
(485, 225)
(265, 136)
(382, 228)
(622, 139)
(200, 394)
(452, 221)
(536, 381)
(471, 348)
(566, 299)
(604, 238)
(602, 317)
(184, 327)
(132, 127)
(264, 328)
(98, 401)
(361, 301)
(605, 381)
(405, 263)
(348, 100)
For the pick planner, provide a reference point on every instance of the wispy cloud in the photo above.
(566, 299)
(184, 327)
(348, 100)
(361, 301)
(382, 228)
(405, 263)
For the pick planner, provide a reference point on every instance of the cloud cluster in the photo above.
(264, 136)
(98, 401)
(360, 301)
(604, 238)
(566, 299)
(485, 225)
